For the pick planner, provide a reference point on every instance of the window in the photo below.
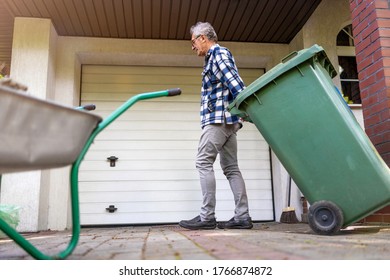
(347, 66)
(345, 37)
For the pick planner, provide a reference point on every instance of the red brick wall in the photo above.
(371, 28)
(380, 217)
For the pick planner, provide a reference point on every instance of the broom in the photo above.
(288, 215)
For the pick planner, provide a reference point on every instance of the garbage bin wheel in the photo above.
(325, 217)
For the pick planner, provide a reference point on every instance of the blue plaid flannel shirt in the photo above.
(221, 83)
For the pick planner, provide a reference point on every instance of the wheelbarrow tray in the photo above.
(39, 134)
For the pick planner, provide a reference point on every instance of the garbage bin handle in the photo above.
(288, 57)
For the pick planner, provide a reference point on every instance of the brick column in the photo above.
(371, 29)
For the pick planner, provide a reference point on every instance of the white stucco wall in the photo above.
(324, 25)
(33, 64)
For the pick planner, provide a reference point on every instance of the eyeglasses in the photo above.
(194, 40)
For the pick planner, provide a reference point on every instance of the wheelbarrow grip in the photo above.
(174, 91)
(89, 107)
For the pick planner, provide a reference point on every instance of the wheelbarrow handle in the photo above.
(174, 91)
(87, 107)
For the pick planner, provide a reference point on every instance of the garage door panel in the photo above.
(141, 155)
(154, 126)
(252, 145)
(169, 175)
(163, 145)
(121, 145)
(149, 116)
(139, 116)
(124, 165)
(136, 132)
(137, 175)
(174, 122)
(179, 197)
(104, 92)
(256, 185)
(133, 134)
(182, 190)
(145, 105)
(143, 70)
(141, 165)
(153, 144)
(149, 71)
(145, 135)
(106, 108)
(250, 135)
(187, 96)
(139, 206)
(168, 155)
(101, 93)
(155, 179)
(144, 185)
(140, 196)
(179, 200)
(247, 174)
(130, 218)
(138, 79)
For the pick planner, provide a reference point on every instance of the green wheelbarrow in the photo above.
(32, 131)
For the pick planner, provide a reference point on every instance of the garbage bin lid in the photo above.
(289, 62)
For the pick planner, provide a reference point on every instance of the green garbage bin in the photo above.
(308, 125)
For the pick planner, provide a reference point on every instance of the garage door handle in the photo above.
(174, 91)
(111, 209)
(112, 160)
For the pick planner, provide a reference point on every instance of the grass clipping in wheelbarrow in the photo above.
(12, 84)
(10, 215)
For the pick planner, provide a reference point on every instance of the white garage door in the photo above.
(154, 179)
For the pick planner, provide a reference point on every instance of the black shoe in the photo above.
(233, 224)
(197, 223)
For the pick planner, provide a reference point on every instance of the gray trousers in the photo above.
(220, 139)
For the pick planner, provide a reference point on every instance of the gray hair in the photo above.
(204, 28)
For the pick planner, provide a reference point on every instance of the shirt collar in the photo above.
(209, 52)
